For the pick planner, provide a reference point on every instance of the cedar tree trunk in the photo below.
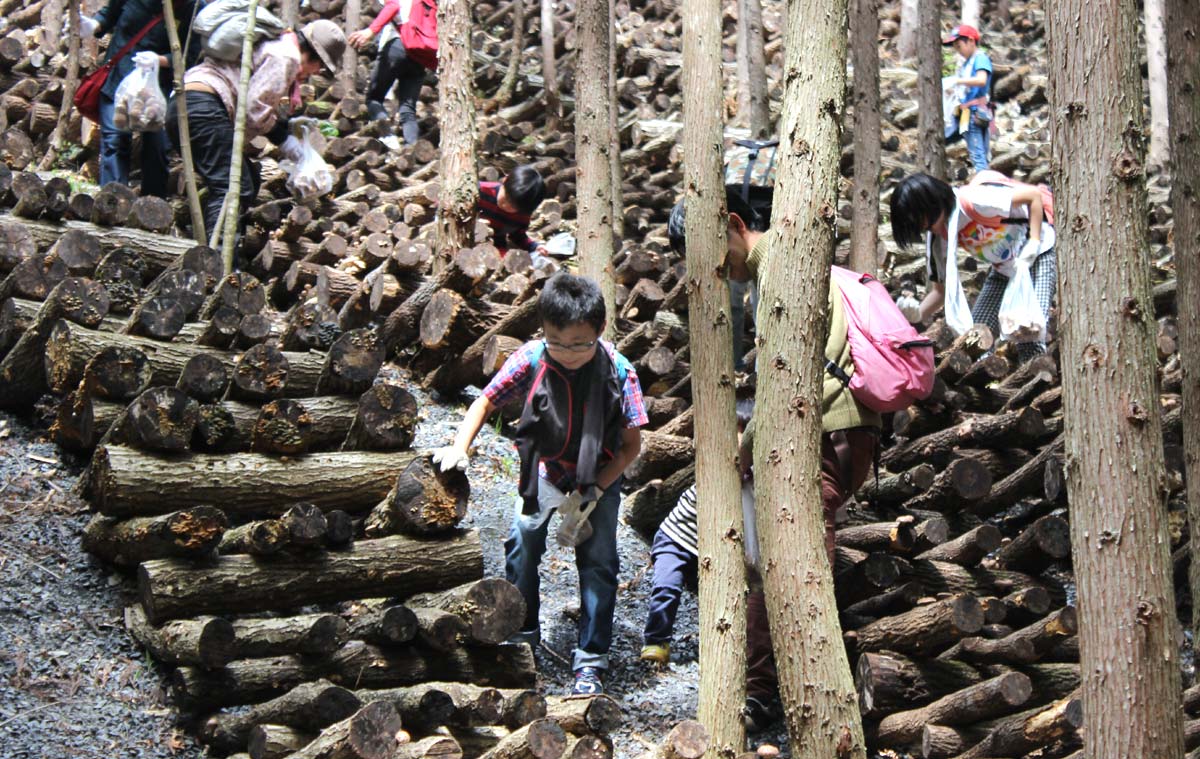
(1156, 65)
(614, 126)
(864, 53)
(1128, 633)
(910, 23)
(931, 134)
(722, 569)
(549, 68)
(593, 144)
(754, 107)
(814, 673)
(1184, 76)
(456, 93)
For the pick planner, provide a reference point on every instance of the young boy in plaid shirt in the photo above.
(579, 430)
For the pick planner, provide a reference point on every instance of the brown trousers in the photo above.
(846, 458)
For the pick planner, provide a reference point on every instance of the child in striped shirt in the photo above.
(674, 554)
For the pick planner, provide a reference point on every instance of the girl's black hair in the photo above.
(917, 203)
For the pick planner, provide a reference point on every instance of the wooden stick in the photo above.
(232, 197)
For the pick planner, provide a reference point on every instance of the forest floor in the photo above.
(73, 683)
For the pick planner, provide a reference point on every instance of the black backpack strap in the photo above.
(838, 373)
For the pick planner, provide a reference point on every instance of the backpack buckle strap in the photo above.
(838, 373)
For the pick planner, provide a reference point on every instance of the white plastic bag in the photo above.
(139, 105)
(1021, 318)
(958, 310)
(950, 101)
(309, 176)
(561, 245)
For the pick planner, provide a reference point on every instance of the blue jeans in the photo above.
(978, 141)
(674, 567)
(598, 565)
(117, 146)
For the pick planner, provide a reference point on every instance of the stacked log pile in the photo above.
(259, 481)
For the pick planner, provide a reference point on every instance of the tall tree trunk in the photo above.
(864, 52)
(814, 673)
(291, 13)
(1183, 44)
(910, 26)
(549, 68)
(349, 69)
(1156, 65)
(69, 87)
(1128, 634)
(722, 568)
(199, 234)
(970, 13)
(515, 53)
(614, 127)
(233, 196)
(593, 172)
(456, 95)
(1003, 13)
(931, 134)
(754, 107)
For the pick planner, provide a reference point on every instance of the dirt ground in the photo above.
(72, 681)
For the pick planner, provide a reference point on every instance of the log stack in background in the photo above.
(251, 462)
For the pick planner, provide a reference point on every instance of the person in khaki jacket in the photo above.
(850, 436)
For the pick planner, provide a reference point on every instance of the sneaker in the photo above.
(758, 716)
(656, 653)
(587, 682)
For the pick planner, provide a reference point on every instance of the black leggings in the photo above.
(394, 67)
(211, 132)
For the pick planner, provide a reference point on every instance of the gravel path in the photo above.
(72, 682)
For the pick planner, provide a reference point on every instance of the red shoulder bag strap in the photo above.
(136, 39)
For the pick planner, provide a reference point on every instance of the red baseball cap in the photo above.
(962, 30)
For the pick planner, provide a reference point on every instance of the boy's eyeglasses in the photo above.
(576, 348)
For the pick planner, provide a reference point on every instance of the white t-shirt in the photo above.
(995, 246)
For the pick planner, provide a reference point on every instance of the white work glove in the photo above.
(910, 307)
(291, 149)
(449, 457)
(145, 58)
(574, 528)
(87, 26)
(1029, 252)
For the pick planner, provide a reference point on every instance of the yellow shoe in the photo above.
(657, 653)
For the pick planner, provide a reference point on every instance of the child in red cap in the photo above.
(973, 84)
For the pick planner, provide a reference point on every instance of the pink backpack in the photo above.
(893, 364)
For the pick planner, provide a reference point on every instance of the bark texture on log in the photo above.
(396, 565)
